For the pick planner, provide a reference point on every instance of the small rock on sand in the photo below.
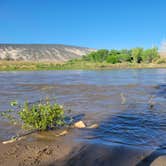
(80, 124)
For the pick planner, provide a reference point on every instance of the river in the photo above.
(129, 105)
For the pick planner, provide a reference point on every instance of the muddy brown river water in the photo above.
(129, 105)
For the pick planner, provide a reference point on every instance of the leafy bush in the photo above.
(40, 116)
(136, 55)
(112, 59)
(124, 58)
(149, 55)
(97, 56)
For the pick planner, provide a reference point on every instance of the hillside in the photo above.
(42, 52)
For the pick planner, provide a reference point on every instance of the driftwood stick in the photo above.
(19, 137)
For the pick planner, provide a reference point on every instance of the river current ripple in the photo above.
(129, 105)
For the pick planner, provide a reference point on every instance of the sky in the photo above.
(91, 23)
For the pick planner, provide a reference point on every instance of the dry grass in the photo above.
(54, 65)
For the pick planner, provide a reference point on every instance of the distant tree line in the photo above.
(135, 55)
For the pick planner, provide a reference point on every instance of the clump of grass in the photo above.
(161, 61)
(39, 116)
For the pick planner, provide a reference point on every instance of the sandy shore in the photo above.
(37, 149)
(47, 150)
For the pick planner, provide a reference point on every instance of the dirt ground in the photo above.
(48, 150)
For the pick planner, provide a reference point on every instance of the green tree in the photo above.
(112, 59)
(101, 55)
(125, 51)
(136, 54)
(97, 56)
(149, 55)
(124, 58)
(114, 52)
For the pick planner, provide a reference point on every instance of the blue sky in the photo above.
(91, 23)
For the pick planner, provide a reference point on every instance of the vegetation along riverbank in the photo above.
(101, 59)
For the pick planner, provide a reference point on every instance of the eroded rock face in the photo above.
(42, 52)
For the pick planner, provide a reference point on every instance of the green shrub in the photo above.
(136, 54)
(149, 55)
(112, 59)
(96, 56)
(40, 116)
(124, 58)
(161, 61)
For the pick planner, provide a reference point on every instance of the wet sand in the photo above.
(37, 149)
(44, 149)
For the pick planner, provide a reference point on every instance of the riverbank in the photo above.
(78, 65)
(44, 150)
(38, 149)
